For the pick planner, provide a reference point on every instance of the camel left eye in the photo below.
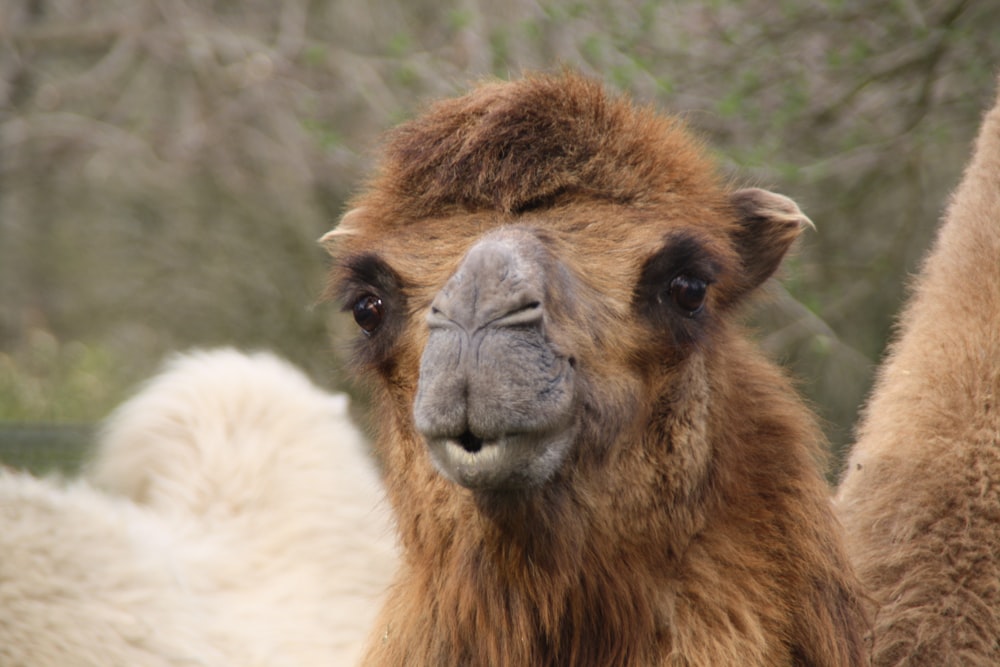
(688, 293)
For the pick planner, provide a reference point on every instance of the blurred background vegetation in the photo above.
(167, 165)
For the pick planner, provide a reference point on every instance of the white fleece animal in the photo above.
(237, 521)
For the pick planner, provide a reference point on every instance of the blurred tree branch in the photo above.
(166, 165)
(93, 37)
(923, 60)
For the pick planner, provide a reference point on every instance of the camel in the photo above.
(588, 460)
(919, 498)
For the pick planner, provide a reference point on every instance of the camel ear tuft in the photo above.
(345, 228)
(768, 224)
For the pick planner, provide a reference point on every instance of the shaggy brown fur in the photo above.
(921, 495)
(689, 524)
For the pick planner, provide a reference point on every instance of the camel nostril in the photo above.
(470, 442)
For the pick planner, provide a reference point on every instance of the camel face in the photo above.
(513, 359)
(542, 291)
(587, 461)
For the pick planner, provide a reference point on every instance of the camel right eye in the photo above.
(368, 313)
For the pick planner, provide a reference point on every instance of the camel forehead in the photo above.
(510, 147)
(599, 177)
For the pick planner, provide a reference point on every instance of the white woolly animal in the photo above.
(237, 521)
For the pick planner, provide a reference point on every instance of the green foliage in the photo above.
(459, 19)
(325, 135)
(592, 49)
(315, 55)
(400, 44)
(500, 50)
(46, 380)
(532, 29)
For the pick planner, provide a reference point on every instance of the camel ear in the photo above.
(768, 224)
(345, 228)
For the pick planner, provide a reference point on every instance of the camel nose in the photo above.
(495, 396)
(496, 285)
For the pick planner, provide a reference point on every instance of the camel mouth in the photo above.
(470, 442)
(509, 462)
(478, 456)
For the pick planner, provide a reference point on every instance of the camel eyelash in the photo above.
(681, 257)
(368, 272)
(682, 254)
